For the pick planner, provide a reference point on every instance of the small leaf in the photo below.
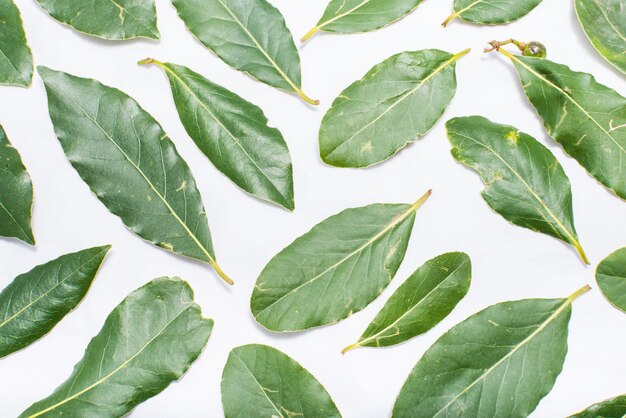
(423, 300)
(250, 36)
(604, 23)
(611, 278)
(260, 381)
(499, 362)
(16, 194)
(106, 19)
(397, 101)
(524, 182)
(16, 62)
(130, 164)
(39, 299)
(335, 269)
(491, 12)
(148, 341)
(611, 408)
(234, 134)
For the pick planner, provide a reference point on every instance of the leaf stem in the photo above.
(306, 98)
(221, 273)
(350, 347)
(450, 19)
(309, 34)
(571, 298)
(421, 200)
(581, 252)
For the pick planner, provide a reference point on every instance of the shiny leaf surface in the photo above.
(491, 12)
(16, 60)
(611, 278)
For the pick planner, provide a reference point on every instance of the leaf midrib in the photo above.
(259, 384)
(26, 235)
(609, 21)
(339, 16)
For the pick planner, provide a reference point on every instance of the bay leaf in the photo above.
(233, 134)
(491, 12)
(499, 362)
(34, 302)
(397, 101)
(16, 59)
(130, 164)
(261, 381)
(611, 278)
(107, 19)
(605, 25)
(250, 36)
(611, 408)
(148, 341)
(524, 182)
(16, 194)
(335, 269)
(420, 303)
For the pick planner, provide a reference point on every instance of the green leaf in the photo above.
(107, 19)
(260, 381)
(397, 101)
(16, 60)
(524, 182)
(491, 12)
(611, 277)
(130, 164)
(335, 269)
(604, 23)
(423, 300)
(611, 408)
(148, 341)
(37, 300)
(234, 134)
(250, 36)
(590, 130)
(16, 194)
(499, 362)
(356, 16)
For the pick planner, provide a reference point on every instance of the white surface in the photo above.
(509, 262)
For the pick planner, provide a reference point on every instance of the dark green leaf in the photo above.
(611, 277)
(16, 60)
(611, 408)
(491, 12)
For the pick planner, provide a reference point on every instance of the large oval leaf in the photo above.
(491, 12)
(234, 134)
(37, 300)
(249, 35)
(130, 164)
(611, 408)
(106, 19)
(16, 60)
(423, 300)
(148, 341)
(397, 101)
(605, 25)
(524, 182)
(592, 131)
(16, 194)
(611, 277)
(260, 381)
(335, 269)
(499, 362)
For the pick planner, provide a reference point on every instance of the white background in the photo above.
(509, 262)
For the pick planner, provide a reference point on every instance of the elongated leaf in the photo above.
(491, 12)
(130, 164)
(37, 300)
(524, 182)
(16, 194)
(249, 35)
(16, 60)
(234, 134)
(355, 16)
(335, 269)
(611, 277)
(611, 408)
(148, 341)
(423, 300)
(604, 23)
(260, 381)
(397, 101)
(591, 130)
(499, 362)
(106, 19)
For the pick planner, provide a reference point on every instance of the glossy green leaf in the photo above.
(499, 362)
(130, 164)
(260, 381)
(604, 22)
(234, 134)
(16, 194)
(16, 60)
(524, 182)
(397, 101)
(491, 12)
(611, 277)
(106, 19)
(249, 35)
(37, 300)
(147, 342)
(591, 130)
(335, 269)
(611, 408)
(423, 300)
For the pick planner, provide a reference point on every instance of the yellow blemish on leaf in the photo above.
(512, 137)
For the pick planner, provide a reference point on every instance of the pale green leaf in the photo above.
(491, 12)
(611, 277)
